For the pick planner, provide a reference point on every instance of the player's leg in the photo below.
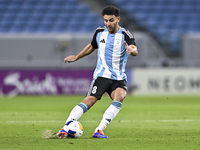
(97, 89)
(117, 96)
(95, 92)
(81, 108)
(77, 112)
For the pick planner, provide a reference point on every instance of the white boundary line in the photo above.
(93, 121)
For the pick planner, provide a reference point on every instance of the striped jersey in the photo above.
(112, 57)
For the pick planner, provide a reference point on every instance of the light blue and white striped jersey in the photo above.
(112, 57)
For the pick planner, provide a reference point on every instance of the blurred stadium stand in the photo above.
(47, 16)
(166, 20)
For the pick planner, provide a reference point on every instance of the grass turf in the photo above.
(144, 123)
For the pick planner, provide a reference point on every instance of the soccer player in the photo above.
(114, 45)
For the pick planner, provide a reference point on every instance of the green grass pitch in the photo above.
(143, 123)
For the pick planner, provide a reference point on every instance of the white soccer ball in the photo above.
(74, 129)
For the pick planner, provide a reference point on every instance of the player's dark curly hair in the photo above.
(111, 10)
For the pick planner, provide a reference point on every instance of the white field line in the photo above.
(179, 120)
(93, 121)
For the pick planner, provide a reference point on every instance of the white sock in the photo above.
(75, 114)
(108, 116)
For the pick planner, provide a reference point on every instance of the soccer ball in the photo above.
(74, 129)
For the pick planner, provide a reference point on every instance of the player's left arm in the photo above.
(129, 42)
(131, 49)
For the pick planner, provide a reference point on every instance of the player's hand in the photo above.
(130, 50)
(70, 58)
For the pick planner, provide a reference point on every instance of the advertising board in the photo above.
(43, 82)
(155, 81)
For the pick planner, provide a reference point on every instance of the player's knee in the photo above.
(121, 99)
(118, 95)
(123, 95)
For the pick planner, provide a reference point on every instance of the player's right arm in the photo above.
(86, 51)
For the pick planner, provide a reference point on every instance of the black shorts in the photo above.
(102, 85)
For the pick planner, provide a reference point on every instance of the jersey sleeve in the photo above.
(129, 38)
(94, 41)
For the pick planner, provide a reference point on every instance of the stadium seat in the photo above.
(54, 9)
(162, 33)
(72, 2)
(50, 16)
(33, 2)
(44, 2)
(92, 16)
(81, 8)
(10, 15)
(13, 8)
(67, 9)
(23, 16)
(36, 16)
(27, 8)
(16, 29)
(140, 17)
(3, 8)
(72, 29)
(32, 26)
(5, 2)
(59, 28)
(78, 16)
(19, 25)
(63, 17)
(41, 8)
(5, 25)
(58, 3)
